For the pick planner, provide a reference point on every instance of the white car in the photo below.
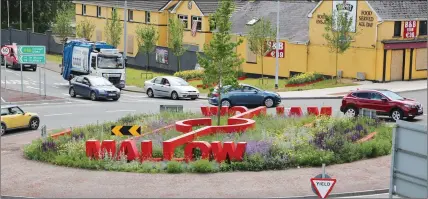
(170, 86)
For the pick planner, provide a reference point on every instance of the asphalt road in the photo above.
(78, 111)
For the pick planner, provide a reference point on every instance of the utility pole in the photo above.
(32, 15)
(20, 15)
(277, 46)
(8, 24)
(125, 31)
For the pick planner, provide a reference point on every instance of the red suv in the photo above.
(385, 102)
(12, 59)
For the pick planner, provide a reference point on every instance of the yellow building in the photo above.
(390, 42)
(379, 52)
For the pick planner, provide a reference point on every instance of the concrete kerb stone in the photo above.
(347, 194)
(14, 197)
(37, 101)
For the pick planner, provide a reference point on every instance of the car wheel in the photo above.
(34, 123)
(351, 112)
(226, 103)
(34, 68)
(193, 98)
(72, 92)
(397, 114)
(3, 129)
(150, 93)
(410, 118)
(174, 95)
(93, 96)
(268, 102)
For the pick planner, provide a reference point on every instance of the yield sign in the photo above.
(323, 186)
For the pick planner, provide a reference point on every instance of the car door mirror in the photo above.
(256, 91)
(384, 99)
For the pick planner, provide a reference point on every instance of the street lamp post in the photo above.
(20, 15)
(32, 15)
(277, 46)
(8, 24)
(125, 31)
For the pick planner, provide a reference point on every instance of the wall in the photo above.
(294, 60)
(323, 60)
(204, 35)
(26, 37)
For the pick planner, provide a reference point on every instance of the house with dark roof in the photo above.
(389, 44)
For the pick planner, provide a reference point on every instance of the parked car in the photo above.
(244, 95)
(170, 86)
(94, 87)
(12, 60)
(13, 117)
(385, 102)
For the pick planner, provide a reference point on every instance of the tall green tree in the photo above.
(260, 34)
(63, 21)
(338, 33)
(44, 13)
(220, 62)
(175, 39)
(85, 29)
(113, 29)
(147, 37)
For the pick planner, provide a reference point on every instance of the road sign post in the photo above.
(322, 184)
(32, 55)
(4, 52)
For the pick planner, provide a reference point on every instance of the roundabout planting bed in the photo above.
(273, 143)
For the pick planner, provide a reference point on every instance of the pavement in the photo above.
(37, 179)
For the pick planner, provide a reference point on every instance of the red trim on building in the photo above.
(407, 45)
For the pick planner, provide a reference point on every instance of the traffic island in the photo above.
(245, 140)
(14, 96)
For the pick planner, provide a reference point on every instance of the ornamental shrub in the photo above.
(304, 78)
(190, 74)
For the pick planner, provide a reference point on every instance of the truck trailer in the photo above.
(81, 57)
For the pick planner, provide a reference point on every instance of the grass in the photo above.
(275, 143)
(136, 77)
(54, 58)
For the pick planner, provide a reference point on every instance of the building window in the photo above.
(147, 17)
(198, 21)
(423, 28)
(83, 9)
(98, 11)
(130, 15)
(184, 19)
(397, 29)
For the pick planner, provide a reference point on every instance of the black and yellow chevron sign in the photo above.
(134, 130)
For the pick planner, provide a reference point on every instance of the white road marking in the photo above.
(128, 95)
(2, 100)
(30, 87)
(58, 114)
(120, 111)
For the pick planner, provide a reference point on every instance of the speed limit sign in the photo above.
(5, 51)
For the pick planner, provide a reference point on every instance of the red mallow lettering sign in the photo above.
(237, 123)
(273, 51)
(409, 29)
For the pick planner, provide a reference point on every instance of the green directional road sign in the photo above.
(32, 54)
(32, 59)
(33, 50)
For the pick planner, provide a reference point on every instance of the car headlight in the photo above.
(410, 106)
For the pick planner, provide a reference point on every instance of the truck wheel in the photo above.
(34, 68)
(93, 96)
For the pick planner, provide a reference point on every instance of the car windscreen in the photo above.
(100, 82)
(392, 95)
(176, 81)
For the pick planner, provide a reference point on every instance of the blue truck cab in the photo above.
(81, 57)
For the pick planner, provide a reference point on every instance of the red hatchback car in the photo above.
(385, 102)
(12, 59)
